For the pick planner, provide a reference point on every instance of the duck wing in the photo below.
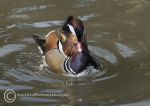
(41, 43)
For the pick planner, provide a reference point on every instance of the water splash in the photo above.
(90, 71)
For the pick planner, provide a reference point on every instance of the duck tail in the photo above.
(40, 42)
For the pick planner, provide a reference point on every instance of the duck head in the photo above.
(73, 32)
(74, 26)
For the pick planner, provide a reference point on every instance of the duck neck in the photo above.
(79, 47)
(80, 60)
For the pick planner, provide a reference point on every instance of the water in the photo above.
(117, 32)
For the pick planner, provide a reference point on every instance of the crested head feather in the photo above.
(74, 26)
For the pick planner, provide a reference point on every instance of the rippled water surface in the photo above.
(118, 33)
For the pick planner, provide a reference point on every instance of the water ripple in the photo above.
(125, 51)
(7, 49)
(18, 16)
(45, 24)
(83, 3)
(42, 24)
(86, 17)
(35, 99)
(105, 78)
(103, 53)
(15, 87)
(143, 103)
(31, 8)
(27, 76)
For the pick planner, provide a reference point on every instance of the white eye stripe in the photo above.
(71, 29)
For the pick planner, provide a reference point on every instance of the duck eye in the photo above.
(74, 36)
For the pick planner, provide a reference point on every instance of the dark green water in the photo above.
(118, 33)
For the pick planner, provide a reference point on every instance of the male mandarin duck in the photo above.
(66, 51)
